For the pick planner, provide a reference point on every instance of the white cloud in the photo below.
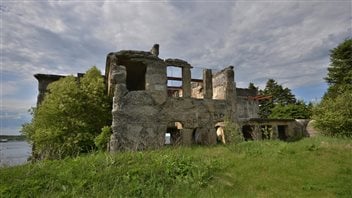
(10, 130)
(17, 105)
(287, 41)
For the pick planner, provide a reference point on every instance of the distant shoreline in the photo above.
(12, 138)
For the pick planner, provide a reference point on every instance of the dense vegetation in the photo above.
(281, 103)
(334, 114)
(314, 167)
(70, 117)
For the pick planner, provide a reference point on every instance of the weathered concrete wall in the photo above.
(219, 86)
(43, 82)
(197, 90)
(137, 123)
(197, 115)
(246, 107)
(141, 118)
(283, 129)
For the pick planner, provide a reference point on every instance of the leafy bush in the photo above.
(334, 115)
(232, 131)
(102, 139)
(298, 110)
(70, 116)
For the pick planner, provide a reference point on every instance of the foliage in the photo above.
(70, 116)
(233, 134)
(312, 167)
(102, 139)
(282, 104)
(340, 69)
(334, 114)
(280, 95)
(299, 110)
(252, 86)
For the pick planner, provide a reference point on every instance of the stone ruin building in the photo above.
(146, 108)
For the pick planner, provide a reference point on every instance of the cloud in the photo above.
(285, 40)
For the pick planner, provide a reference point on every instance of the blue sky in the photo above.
(285, 40)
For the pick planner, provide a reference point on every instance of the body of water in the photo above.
(14, 153)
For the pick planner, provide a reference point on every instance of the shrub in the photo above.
(70, 117)
(334, 115)
(101, 141)
(233, 134)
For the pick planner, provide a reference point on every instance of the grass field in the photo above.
(312, 167)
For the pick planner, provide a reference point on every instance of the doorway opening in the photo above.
(282, 132)
(173, 134)
(247, 131)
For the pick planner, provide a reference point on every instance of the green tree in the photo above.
(70, 116)
(279, 96)
(252, 86)
(340, 68)
(334, 113)
(339, 75)
(298, 110)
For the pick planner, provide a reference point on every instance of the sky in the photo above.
(288, 41)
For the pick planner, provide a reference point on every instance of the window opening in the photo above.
(135, 79)
(174, 81)
(266, 131)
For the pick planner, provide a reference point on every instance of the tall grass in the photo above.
(315, 167)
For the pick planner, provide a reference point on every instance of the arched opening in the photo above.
(220, 132)
(173, 134)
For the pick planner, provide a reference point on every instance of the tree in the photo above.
(252, 86)
(298, 110)
(340, 69)
(334, 113)
(70, 116)
(279, 96)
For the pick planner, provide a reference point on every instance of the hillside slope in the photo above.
(314, 167)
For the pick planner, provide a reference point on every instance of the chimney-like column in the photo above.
(186, 82)
(230, 84)
(208, 84)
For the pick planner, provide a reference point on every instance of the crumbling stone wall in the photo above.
(143, 106)
(283, 129)
(141, 117)
(197, 90)
(246, 107)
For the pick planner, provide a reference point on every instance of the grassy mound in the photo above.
(319, 167)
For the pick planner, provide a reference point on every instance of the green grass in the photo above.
(314, 167)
